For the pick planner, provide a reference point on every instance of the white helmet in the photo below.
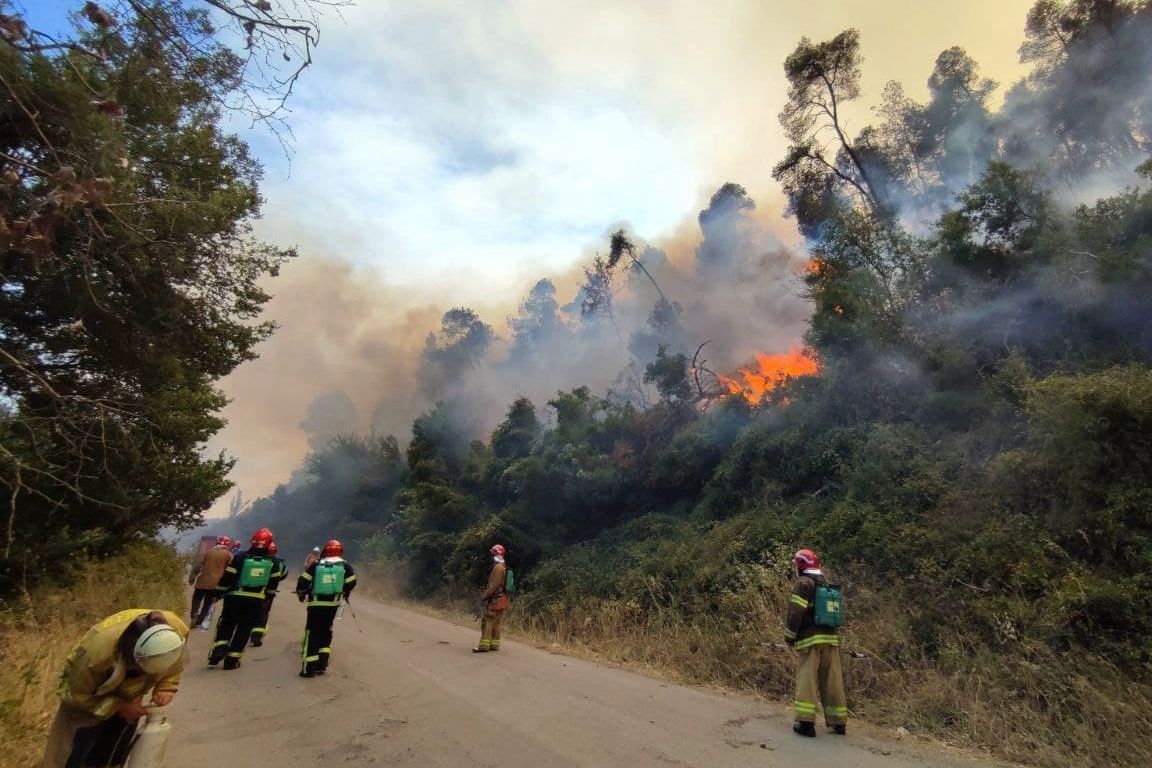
(315, 550)
(158, 649)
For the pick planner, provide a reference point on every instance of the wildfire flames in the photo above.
(770, 370)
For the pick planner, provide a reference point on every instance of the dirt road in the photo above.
(405, 690)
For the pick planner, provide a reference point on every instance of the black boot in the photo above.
(257, 641)
(307, 673)
(804, 729)
(839, 730)
(231, 663)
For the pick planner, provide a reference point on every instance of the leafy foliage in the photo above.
(129, 278)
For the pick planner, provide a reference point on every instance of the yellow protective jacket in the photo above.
(98, 677)
(801, 628)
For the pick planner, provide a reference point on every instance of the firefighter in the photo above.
(322, 585)
(495, 601)
(819, 672)
(104, 682)
(244, 586)
(279, 572)
(205, 580)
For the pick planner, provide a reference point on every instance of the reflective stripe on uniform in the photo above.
(306, 576)
(836, 711)
(820, 639)
(789, 634)
(797, 600)
(324, 650)
(326, 603)
(242, 593)
(805, 707)
(229, 569)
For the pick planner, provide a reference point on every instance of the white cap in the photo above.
(158, 649)
(316, 550)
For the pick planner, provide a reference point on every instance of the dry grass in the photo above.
(1026, 704)
(35, 639)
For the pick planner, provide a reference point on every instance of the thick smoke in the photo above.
(355, 356)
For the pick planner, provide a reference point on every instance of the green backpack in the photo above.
(255, 573)
(328, 580)
(828, 606)
(509, 581)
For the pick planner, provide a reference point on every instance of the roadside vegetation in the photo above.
(39, 628)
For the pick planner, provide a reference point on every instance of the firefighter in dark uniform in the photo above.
(323, 584)
(244, 586)
(279, 572)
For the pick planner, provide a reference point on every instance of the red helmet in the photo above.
(272, 548)
(223, 541)
(806, 559)
(497, 550)
(333, 549)
(261, 539)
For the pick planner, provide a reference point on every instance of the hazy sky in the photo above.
(490, 142)
(456, 152)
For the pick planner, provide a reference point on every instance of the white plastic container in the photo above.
(151, 741)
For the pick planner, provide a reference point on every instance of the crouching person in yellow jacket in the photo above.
(105, 679)
(495, 601)
(814, 634)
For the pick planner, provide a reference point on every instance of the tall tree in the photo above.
(460, 345)
(1086, 106)
(130, 277)
(822, 78)
(537, 324)
(725, 227)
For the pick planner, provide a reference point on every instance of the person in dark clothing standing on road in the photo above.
(323, 584)
(244, 584)
(279, 573)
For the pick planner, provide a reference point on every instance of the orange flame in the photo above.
(770, 370)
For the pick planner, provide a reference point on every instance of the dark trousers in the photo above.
(105, 744)
(237, 619)
(261, 627)
(202, 600)
(318, 637)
